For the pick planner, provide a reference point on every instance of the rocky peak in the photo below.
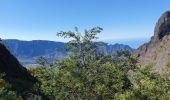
(157, 51)
(162, 27)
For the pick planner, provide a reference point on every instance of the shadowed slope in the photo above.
(11, 67)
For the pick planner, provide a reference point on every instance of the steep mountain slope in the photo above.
(28, 51)
(157, 51)
(20, 80)
(11, 67)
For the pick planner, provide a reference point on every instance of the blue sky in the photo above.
(124, 21)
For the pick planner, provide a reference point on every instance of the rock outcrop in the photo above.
(157, 51)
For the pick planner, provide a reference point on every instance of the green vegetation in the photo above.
(5, 90)
(88, 74)
(168, 64)
(42, 61)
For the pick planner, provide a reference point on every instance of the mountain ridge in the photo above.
(28, 51)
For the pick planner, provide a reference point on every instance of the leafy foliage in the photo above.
(5, 90)
(42, 61)
(147, 86)
(87, 74)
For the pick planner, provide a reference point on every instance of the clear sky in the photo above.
(122, 20)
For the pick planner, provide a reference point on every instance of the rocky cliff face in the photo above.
(157, 51)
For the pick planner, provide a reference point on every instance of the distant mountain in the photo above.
(28, 51)
(134, 43)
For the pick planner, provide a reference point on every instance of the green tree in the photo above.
(86, 74)
(82, 46)
(42, 61)
(6, 92)
(147, 86)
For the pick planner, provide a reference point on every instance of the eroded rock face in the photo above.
(163, 26)
(157, 51)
